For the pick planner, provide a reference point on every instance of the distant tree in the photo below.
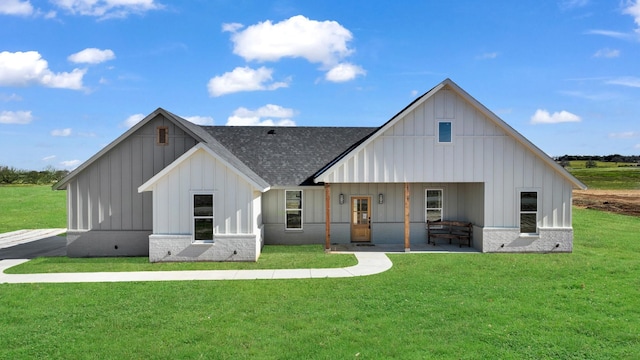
(590, 164)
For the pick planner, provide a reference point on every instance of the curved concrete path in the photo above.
(369, 263)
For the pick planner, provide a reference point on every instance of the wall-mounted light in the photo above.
(380, 199)
(341, 199)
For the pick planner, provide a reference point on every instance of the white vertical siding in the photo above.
(480, 152)
(106, 193)
(233, 197)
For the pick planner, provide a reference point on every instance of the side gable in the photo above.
(405, 149)
(184, 125)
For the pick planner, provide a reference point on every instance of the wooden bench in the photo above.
(452, 230)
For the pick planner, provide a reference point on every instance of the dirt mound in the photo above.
(626, 202)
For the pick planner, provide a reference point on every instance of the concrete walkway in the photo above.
(369, 263)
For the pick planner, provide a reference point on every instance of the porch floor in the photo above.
(399, 248)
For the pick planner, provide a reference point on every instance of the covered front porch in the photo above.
(444, 248)
(393, 215)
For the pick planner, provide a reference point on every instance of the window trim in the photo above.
(162, 141)
(438, 132)
(194, 217)
(286, 225)
(426, 190)
(537, 191)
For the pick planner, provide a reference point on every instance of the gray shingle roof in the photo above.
(287, 156)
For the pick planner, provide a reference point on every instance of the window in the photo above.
(528, 212)
(444, 131)
(162, 136)
(203, 217)
(433, 205)
(293, 209)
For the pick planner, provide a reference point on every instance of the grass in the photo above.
(272, 257)
(584, 305)
(609, 178)
(31, 207)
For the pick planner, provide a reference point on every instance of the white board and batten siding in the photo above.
(233, 197)
(237, 227)
(106, 216)
(407, 150)
(104, 196)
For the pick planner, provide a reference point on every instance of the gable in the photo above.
(201, 171)
(142, 138)
(406, 149)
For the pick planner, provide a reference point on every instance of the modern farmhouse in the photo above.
(177, 191)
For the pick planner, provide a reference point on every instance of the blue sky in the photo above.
(75, 74)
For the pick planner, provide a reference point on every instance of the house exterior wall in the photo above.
(461, 202)
(480, 152)
(236, 227)
(103, 204)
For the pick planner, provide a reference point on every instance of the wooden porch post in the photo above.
(406, 218)
(327, 216)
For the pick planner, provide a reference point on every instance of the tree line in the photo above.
(48, 176)
(617, 158)
(590, 160)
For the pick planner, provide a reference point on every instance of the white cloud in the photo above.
(607, 53)
(317, 41)
(344, 72)
(609, 33)
(47, 158)
(487, 56)
(16, 7)
(245, 117)
(243, 79)
(27, 68)
(200, 120)
(92, 56)
(629, 81)
(625, 135)
(106, 9)
(11, 97)
(61, 132)
(70, 164)
(544, 117)
(633, 9)
(132, 120)
(16, 117)
(231, 27)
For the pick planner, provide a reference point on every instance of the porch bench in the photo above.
(448, 229)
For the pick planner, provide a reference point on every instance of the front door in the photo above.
(361, 219)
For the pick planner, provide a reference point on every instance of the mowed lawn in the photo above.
(584, 305)
(31, 207)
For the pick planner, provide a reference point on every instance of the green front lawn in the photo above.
(584, 305)
(272, 257)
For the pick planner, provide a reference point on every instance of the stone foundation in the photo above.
(510, 240)
(165, 248)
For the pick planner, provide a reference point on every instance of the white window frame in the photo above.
(286, 209)
(536, 212)
(194, 217)
(438, 132)
(426, 202)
